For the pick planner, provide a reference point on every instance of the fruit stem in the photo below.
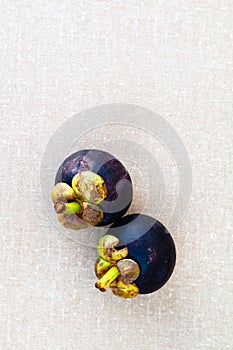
(105, 281)
(67, 208)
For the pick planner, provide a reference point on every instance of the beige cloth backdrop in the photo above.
(61, 57)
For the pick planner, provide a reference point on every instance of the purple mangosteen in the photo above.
(136, 256)
(92, 187)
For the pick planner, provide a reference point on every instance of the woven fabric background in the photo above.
(61, 57)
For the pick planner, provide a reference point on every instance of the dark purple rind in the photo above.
(150, 245)
(120, 193)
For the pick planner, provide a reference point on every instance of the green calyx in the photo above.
(90, 187)
(80, 203)
(106, 248)
(124, 290)
(101, 267)
(114, 270)
(92, 214)
(62, 192)
(129, 270)
(71, 221)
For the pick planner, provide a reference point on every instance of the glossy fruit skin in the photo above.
(120, 192)
(150, 245)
